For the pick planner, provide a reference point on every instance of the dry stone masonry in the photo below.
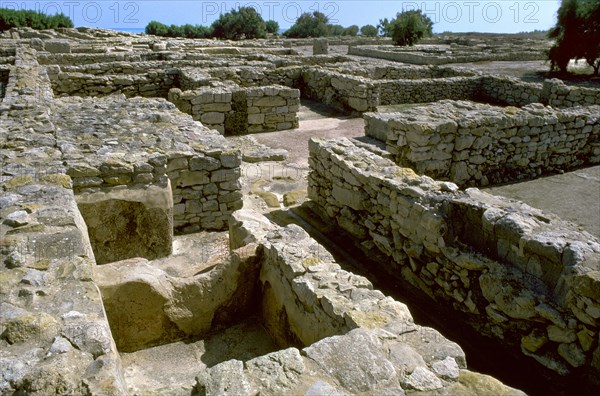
(234, 110)
(113, 157)
(453, 53)
(476, 144)
(520, 275)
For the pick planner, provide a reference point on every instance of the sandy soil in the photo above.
(270, 185)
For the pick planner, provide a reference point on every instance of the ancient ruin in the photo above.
(134, 262)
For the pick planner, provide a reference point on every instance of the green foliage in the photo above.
(384, 27)
(244, 22)
(156, 29)
(189, 31)
(27, 18)
(409, 27)
(316, 25)
(309, 25)
(577, 34)
(368, 31)
(351, 30)
(335, 30)
(272, 26)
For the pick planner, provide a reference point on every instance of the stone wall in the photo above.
(519, 275)
(27, 84)
(348, 93)
(475, 144)
(155, 83)
(272, 108)
(209, 105)
(166, 146)
(233, 110)
(444, 56)
(206, 188)
(353, 338)
(428, 90)
(417, 72)
(511, 91)
(561, 95)
(55, 337)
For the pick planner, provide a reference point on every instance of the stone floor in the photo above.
(171, 369)
(574, 196)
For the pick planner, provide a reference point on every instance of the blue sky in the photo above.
(501, 16)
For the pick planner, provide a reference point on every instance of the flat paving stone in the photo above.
(574, 196)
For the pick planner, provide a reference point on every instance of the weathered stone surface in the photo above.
(422, 379)
(148, 306)
(129, 223)
(354, 360)
(460, 254)
(67, 117)
(264, 154)
(226, 378)
(278, 372)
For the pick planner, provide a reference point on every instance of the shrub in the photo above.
(410, 26)
(309, 25)
(27, 18)
(244, 22)
(368, 31)
(351, 30)
(272, 26)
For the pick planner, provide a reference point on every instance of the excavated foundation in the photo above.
(107, 286)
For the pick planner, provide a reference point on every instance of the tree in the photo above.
(335, 30)
(384, 27)
(410, 26)
(351, 30)
(577, 34)
(27, 18)
(189, 31)
(244, 22)
(368, 31)
(156, 28)
(272, 26)
(309, 25)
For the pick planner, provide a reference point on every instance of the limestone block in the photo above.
(215, 107)
(256, 119)
(212, 118)
(133, 222)
(354, 360)
(58, 46)
(246, 226)
(270, 101)
(204, 163)
(227, 379)
(277, 372)
(352, 198)
(191, 178)
(358, 104)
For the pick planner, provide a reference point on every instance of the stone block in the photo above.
(129, 223)
(204, 163)
(270, 101)
(58, 46)
(192, 178)
(348, 197)
(256, 119)
(212, 117)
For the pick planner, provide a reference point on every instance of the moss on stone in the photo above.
(58, 179)
(18, 181)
